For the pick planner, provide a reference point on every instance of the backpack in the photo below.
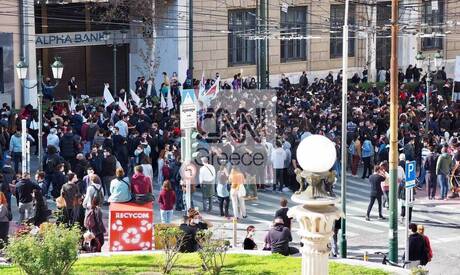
(99, 197)
(166, 171)
(51, 164)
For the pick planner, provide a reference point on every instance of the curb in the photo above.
(393, 269)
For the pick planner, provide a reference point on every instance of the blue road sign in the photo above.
(188, 96)
(410, 173)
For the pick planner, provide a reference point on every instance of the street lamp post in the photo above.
(423, 61)
(114, 45)
(317, 213)
(57, 68)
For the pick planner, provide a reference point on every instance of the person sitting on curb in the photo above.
(279, 237)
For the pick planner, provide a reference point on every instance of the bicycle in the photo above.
(385, 260)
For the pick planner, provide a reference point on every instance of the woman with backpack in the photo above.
(94, 222)
(93, 192)
(120, 188)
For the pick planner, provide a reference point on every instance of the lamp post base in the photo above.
(316, 225)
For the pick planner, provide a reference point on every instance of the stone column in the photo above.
(316, 221)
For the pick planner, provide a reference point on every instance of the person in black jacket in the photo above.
(376, 180)
(282, 212)
(51, 162)
(418, 250)
(68, 146)
(430, 176)
(24, 199)
(279, 237)
(109, 165)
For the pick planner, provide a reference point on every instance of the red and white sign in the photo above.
(131, 226)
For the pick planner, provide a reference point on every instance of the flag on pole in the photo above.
(73, 105)
(126, 99)
(202, 85)
(169, 100)
(162, 101)
(135, 97)
(214, 90)
(149, 87)
(122, 106)
(108, 96)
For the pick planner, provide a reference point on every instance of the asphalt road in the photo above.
(441, 220)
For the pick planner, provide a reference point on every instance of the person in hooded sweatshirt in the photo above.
(279, 237)
(140, 184)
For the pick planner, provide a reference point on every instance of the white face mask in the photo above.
(196, 220)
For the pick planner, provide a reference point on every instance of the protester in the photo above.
(207, 179)
(237, 193)
(418, 254)
(249, 243)
(282, 212)
(24, 198)
(376, 193)
(5, 216)
(194, 223)
(120, 188)
(41, 211)
(421, 231)
(279, 237)
(223, 194)
(70, 194)
(166, 200)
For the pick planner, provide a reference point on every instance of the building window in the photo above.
(294, 25)
(241, 25)
(433, 17)
(336, 26)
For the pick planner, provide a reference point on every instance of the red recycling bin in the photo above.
(130, 226)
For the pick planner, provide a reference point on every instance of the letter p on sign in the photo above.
(410, 174)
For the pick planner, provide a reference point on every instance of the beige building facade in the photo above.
(217, 24)
(9, 53)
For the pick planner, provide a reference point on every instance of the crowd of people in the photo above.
(97, 154)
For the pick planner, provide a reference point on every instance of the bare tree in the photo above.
(144, 22)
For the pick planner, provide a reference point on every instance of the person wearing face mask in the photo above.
(70, 194)
(249, 243)
(194, 223)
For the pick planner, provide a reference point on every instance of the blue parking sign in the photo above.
(410, 173)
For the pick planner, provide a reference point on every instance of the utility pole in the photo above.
(190, 37)
(343, 181)
(393, 219)
(262, 27)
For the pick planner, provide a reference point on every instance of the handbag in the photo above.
(143, 198)
(241, 191)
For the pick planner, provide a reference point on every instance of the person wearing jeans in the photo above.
(166, 200)
(24, 190)
(222, 191)
(442, 170)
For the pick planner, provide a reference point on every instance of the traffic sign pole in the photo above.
(188, 158)
(409, 191)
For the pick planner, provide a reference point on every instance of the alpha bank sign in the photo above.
(70, 39)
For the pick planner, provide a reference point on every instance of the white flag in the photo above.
(169, 100)
(108, 97)
(149, 87)
(73, 105)
(122, 106)
(202, 86)
(162, 101)
(135, 97)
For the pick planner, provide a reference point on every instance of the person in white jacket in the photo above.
(93, 192)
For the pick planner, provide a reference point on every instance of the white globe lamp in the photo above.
(316, 154)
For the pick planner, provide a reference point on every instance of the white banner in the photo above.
(457, 69)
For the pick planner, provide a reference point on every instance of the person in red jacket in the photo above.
(140, 184)
(166, 200)
(421, 231)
